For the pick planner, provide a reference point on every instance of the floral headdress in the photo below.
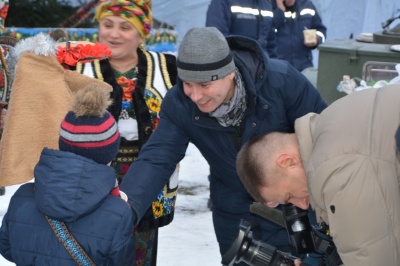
(137, 12)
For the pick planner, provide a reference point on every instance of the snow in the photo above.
(190, 238)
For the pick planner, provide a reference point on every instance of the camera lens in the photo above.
(254, 252)
(258, 253)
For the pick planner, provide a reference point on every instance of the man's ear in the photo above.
(286, 160)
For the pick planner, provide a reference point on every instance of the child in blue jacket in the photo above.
(73, 192)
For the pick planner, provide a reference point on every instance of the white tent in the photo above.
(183, 14)
(342, 17)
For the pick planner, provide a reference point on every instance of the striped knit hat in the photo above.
(88, 129)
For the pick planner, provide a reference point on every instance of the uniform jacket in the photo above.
(75, 190)
(250, 18)
(289, 36)
(277, 94)
(349, 153)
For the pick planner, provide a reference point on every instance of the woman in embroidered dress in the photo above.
(140, 80)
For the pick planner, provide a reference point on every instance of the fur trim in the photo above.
(116, 94)
(40, 44)
(90, 101)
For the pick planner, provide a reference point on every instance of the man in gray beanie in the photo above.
(207, 60)
(228, 92)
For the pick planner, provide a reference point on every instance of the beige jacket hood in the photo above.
(349, 154)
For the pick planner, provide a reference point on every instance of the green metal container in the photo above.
(347, 57)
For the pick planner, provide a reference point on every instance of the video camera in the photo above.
(303, 237)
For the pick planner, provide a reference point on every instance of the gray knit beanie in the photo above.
(204, 55)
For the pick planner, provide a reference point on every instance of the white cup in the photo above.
(310, 36)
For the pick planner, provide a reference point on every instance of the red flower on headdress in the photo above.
(82, 53)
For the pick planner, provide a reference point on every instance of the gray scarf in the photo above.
(232, 112)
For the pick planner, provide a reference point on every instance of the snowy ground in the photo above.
(190, 238)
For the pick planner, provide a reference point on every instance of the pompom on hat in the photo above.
(89, 129)
(204, 56)
(137, 12)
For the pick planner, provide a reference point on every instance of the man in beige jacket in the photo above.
(344, 163)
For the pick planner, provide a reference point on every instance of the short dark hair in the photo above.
(249, 167)
(255, 162)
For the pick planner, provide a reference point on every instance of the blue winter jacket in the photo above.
(250, 18)
(277, 94)
(289, 36)
(75, 190)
